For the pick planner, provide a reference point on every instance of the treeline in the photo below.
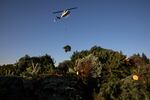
(107, 73)
(28, 66)
(110, 75)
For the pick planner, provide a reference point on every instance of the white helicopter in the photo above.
(64, 13)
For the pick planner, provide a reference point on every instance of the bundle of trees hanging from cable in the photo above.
(106, 74)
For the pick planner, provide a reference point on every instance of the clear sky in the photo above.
(28, 27)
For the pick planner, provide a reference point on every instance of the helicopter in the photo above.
(64, 13)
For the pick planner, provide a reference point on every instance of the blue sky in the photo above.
(28, 27)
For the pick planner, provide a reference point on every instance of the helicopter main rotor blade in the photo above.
(57, 12)
(72, 8)
(64, 10)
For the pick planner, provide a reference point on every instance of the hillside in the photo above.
(46, 88)
(98, 74)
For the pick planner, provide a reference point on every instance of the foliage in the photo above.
(29, 66)
(8, 70)
(107, 74)
(88, 67)
(116, 81)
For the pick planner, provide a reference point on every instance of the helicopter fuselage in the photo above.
(65, 13)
